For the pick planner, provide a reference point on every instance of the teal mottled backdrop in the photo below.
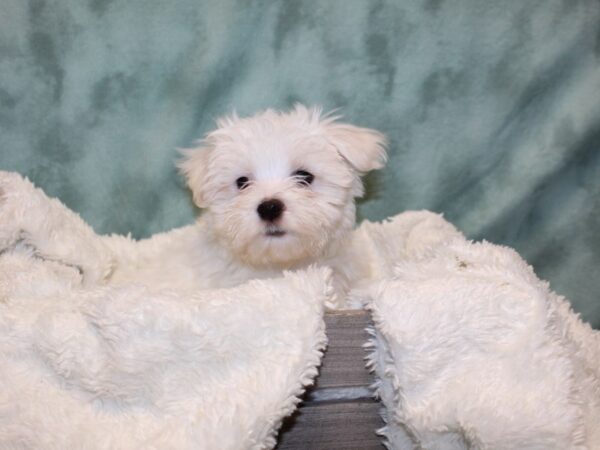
(492, 107)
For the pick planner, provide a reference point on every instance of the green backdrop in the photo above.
(492, 107)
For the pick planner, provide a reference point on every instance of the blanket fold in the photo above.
(123, 367)
(472, 350)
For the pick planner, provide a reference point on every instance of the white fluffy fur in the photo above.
(130, 367)
(229, 244)
(472, 351)
(267, 149)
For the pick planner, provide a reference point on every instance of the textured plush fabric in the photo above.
(472, 351)
(491, 107)
(130, 367)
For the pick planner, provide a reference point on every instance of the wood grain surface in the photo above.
(338, 412)
(327, 426)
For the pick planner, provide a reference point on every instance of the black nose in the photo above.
(270, 210)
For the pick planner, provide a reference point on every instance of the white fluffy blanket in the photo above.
(470, 349)
(129, 368)
(473, 351)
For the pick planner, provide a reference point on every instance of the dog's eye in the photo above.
(242, 183)
(303, 177)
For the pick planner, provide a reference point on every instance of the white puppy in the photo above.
(278, 191)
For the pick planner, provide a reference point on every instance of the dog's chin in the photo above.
(279, 248)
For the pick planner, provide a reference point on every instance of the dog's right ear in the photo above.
(196, 162)
(194, 166)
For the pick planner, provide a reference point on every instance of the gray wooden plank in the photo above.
(339, 411)
(333, 426)
(338, 393)
(347, 318)
(343, 363)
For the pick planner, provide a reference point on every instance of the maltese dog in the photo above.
(278, 194)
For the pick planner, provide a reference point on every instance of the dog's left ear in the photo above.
(363, 148)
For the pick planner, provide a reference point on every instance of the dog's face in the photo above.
(279, 188)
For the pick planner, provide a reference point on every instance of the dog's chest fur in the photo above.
(189, 258)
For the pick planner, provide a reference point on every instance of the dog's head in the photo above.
(280, 187)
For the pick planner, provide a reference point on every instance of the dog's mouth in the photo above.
(274, 231)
